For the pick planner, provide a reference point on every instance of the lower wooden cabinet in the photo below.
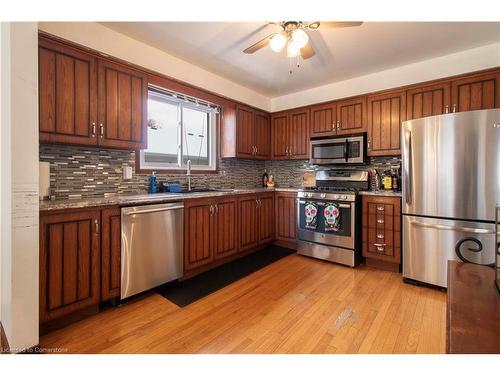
(382, 230)
(111, 234)
(286, 217)
(256, 212)
(69, 262)
(225, 227)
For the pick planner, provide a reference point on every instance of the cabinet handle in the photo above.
(333, 126)
(93, 129)
(380, 249)
(338, 125)
(216, 209)
(96, 223)
(256, 150)
(101, 130)
(446, 108)
(288, 151)
(260, 203)
(380, 236)
(454, 108)
(380, 221)
(368, 144)
(380, 208)
(211, 210)
(379, 244)
(291, 152)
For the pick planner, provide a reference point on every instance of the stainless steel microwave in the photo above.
(338, 150)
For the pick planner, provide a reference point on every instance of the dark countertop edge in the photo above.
(143, 199)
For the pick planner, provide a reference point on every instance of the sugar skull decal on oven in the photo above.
(311, 212)
(332, 217)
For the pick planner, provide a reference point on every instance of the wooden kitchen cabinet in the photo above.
(290, 134)
(351, 115)
(386, 112)
(67, 80)
(323, 120)
(199, 233)
(69, 262)
(381, 231)
(428, 100)
(286, 218)
(110, 253)
(88, 100)
(474, 92)
(122, 99)
(225, 227)
(251, 135)
(265, 213)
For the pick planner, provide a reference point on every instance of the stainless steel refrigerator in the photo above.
(451, 184)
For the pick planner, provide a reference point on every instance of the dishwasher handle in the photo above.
(147, 211)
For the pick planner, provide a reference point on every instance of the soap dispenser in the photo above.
(152, 187)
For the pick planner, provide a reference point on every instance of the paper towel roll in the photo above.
(44, 180)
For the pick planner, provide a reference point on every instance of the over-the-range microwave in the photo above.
(338, 150)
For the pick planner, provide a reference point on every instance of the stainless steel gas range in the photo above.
(328, 216)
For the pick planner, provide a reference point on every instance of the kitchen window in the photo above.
(180, 128)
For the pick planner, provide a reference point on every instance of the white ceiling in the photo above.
(341, 53)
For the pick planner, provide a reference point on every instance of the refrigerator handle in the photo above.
(407, 165)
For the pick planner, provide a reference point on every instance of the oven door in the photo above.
(326, 222)
(345, 150)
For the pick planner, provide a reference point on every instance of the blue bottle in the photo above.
(153, 187)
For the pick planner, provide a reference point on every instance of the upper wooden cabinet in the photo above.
(323, 119)
(87, 100)
(386, 112)
(290, 134)
(122, 98)
(428, 100)
(67, 94)
(351, 115)
(478, 91)
(245, 133)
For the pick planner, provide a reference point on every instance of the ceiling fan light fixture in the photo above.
(292, 50)
(300, 38)
(277, 42)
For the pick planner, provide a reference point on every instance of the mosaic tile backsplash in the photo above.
(84, 172)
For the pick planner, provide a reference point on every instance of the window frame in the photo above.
(213, 130)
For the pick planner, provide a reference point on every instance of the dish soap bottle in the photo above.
(387, 180)
(152, 187)
(265, 178)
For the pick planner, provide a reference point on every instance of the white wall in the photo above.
(458, 63)
(19, 184)
(103, 39)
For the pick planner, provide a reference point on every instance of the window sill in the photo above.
(173, 171)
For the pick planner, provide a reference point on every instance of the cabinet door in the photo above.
(111, 235)
(286, 216)
(69, 263)
(226, 227)
(429, 100)
(245, 132)
(280, 138)
(123, 94)
(299, 134)
(67, 92)
(198, 233)
(262, 136)
(481, 91)
(323, 119)
(382, 228)
(351, 115)
(248, 230)
(266, 217)
(386, 112)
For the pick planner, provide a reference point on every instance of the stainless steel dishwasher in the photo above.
(152, 246)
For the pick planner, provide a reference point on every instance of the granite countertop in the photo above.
(383, 193)
(140, 199)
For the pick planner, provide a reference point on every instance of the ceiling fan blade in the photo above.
(260, 44)
(307, 51)
(339, 24)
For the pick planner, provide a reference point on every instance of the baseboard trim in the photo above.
(4, 344)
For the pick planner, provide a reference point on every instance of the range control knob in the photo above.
(343, 197)
(336, 196)
(323, 195)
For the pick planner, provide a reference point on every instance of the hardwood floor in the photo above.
(296, 305)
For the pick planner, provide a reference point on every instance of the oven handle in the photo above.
(346, 147)
(341, 205)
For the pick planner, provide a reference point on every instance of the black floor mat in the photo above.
(186, 292)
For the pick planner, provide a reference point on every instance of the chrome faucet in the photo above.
(188, 174)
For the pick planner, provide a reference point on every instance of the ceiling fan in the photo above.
(294, 36)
